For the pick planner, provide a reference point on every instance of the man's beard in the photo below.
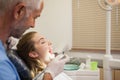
(18, 31)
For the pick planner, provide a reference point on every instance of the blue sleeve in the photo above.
(6, 71)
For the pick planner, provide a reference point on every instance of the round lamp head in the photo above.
(113, 2)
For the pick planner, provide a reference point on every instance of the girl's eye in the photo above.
(43, 42)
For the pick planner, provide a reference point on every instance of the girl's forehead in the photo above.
(37, 36)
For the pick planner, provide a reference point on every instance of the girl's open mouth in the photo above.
(50, 51)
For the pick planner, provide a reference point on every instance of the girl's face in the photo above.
(43, 48)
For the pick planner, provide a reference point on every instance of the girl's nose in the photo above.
(49, 43)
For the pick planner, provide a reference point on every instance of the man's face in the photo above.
(28, 21)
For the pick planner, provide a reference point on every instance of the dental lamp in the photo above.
(112, 2)
(108, 62)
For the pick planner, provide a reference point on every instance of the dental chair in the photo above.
(21, 67)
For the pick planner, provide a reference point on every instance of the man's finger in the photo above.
(60, 56)
(65, 58)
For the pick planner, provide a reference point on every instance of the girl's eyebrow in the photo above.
(41, 39)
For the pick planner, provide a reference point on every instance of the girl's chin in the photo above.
(49, 57)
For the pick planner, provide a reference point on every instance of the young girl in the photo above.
(36, 51)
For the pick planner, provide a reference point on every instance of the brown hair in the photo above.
(24, 47)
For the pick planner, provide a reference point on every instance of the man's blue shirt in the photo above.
(7, 69)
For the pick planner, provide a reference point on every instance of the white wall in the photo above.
(56, 23)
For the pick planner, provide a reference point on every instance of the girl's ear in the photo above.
(33, 54)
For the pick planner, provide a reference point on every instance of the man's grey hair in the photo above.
(9, 4)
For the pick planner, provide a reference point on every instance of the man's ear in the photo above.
(33, 54)
(19, 11)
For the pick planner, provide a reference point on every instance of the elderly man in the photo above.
(16, 16)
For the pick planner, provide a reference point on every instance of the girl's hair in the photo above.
(24, 47)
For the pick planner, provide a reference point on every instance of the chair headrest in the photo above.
(21, 67)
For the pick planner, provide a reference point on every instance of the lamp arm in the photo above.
(104, 8)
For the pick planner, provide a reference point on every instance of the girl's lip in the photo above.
(50, 50)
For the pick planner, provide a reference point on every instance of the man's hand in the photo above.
(56, 66)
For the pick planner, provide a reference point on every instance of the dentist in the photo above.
(16, 16)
